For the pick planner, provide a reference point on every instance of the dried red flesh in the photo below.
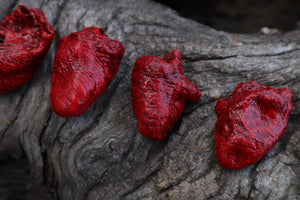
(84, 65)
(25, 37)
(250, 122)
(159, 92)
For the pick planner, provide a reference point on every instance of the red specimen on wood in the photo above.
(250, 122)
(84, 65)
(25, 37)
(159, 92)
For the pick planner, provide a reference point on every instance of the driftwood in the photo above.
(101, 155)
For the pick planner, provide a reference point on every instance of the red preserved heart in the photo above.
(84, 65)
(250, 122)
(25, 37)
(159, 92)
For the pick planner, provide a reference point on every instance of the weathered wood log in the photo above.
(101, 155)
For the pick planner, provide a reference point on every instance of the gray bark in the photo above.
(101, 155)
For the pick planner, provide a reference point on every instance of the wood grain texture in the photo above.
(101, 155)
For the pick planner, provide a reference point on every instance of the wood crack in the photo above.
(271, 55)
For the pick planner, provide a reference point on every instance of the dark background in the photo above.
(240, 16)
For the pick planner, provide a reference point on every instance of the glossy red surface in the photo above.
(250, 122)
(159, 92)
(25, 37)
(84, 65)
